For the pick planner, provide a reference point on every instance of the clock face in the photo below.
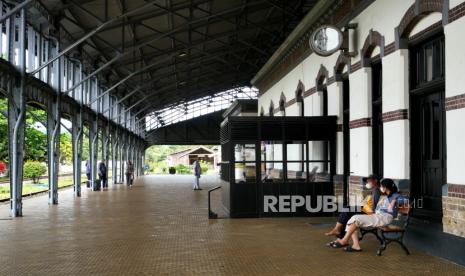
(326, 40)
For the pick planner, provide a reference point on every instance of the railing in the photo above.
(211, 214)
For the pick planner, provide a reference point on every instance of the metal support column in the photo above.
(136, 161)
(139, 160)
(134, 157)
(114, 165)
(142, 158)
(16, 122)
(127, 151)
(130, 150)
(114, 156)
(103, 138)
(53, 133)
(77, 151)
(105, 142)
(122, 159)
(93, 145)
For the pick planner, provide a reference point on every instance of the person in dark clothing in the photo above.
(88, 171)
(197, 170)
(371, 182)
(129, 173)
(102, 173)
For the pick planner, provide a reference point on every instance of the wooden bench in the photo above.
(393, 232)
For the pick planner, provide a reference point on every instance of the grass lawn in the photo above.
(40, 187)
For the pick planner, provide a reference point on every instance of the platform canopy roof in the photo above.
(176, 50)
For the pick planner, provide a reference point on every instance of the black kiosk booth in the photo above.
(276, 156)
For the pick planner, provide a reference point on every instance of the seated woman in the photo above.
(372, 183)
(384, 215)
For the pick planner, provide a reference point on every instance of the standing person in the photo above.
(197, 173)
(102, 173)
(129, 173)
(88, 173)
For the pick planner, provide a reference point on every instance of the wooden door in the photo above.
(428, 147)
(431, 149)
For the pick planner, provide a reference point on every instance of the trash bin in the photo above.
(97, 185)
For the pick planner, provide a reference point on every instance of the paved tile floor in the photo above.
(160, 227)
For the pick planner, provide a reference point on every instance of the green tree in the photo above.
(35, 115)
(66, 148)
(34, 170)
(35, 145)
(35, 136)
(85, 144)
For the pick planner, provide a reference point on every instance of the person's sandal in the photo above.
(338, 245)
(351, 249)
(330, 244)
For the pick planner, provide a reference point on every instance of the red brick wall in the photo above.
(401, 114)
(455, 102)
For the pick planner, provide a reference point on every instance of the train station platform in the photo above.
(161, 227)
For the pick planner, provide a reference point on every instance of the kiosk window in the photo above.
(319, 171)
(244, 165)
(296, 161)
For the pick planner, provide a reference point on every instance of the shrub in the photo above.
(34, 170)
(159, 167)
(172, 170)
(183, 169)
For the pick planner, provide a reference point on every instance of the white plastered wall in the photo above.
(376, 18)
(360, 107)
(384, 17)
(292, 110)
(455, 85)
(305, 72)
(335, 108)
(453, 3)
(395, 97)
(294, 152)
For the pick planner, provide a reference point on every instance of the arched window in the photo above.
(321, 82)
(373, 40)
(412, 16)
